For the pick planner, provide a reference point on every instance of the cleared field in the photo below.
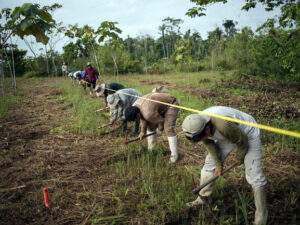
(49, 138)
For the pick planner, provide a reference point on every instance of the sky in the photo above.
(140, 17)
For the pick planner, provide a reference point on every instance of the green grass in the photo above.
(146, 188)
(82, 117)
(160, 189)
(8, 102)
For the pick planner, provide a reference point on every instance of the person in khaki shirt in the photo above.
(157, 116)
(221, 137)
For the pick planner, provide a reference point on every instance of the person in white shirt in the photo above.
(64, 69)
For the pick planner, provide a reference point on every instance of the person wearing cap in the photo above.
(107, 89)
(64, 69)
(120, 101)
(90, 75)
(154, 115)
(221, 137)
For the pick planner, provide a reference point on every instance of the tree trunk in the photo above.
(164, 47)
(47, 64)
(198, 56)
(2, 79)
(115, 65)
(13, 66)
(35, 57)
(53, 62)
(10, 68)
(145, 60)
(167, 48)
(96, 59)
(213, 58)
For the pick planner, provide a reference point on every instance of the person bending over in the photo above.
(157, 116)
(220, 138)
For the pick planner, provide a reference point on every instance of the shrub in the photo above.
(31, 74)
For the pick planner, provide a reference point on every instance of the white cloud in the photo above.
(144, 16)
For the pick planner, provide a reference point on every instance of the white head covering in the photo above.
(100, 88)
(194, 124)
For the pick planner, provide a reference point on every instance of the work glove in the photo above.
(141, 136)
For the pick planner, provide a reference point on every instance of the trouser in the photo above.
(253, 160)
(91, 83)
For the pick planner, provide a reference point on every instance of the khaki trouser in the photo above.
(170, 121)
(253, 160)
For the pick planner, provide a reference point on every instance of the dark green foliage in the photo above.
(19, 61)
(277, 54)
(290, 9)
(30, 19)
(31, 74)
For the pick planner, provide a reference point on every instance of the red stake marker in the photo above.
(46, 198)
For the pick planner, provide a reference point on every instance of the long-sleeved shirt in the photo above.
(152, 112)
(92, 74)
(228, 131)
(125, 101)
(113, 87)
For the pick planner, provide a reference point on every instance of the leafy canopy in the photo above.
(290, 9)
(30, 19)
(108, 29)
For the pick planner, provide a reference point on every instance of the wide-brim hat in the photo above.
(113, 100)
(194, 124)
(99, 89)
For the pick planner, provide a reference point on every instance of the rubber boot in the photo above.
(173, 148)
(260, 200)
(151, 140)
(135, 129)
(206, 191)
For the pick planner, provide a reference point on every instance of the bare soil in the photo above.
(74, 166)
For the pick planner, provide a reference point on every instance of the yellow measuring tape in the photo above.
(263, 127)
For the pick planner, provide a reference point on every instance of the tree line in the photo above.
(272, 51)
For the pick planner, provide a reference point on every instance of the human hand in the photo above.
(238, 162)
(218, 172)
(141, 136)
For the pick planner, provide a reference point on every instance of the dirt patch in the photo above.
(262, 105)
(31, 159)
(262, 85)
(76, 168)
(161, 83)
(57, 92)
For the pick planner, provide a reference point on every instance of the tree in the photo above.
(86, 39)
(229, 27)
(55, 35)
(290, 9)
(29, 19)
(216, 42)
(109, 30)
(170, 31)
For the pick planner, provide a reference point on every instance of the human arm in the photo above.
(143, 125)
(84, 75)
(115, 115)
(214, 152)
(96, 74)
(105, 97)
